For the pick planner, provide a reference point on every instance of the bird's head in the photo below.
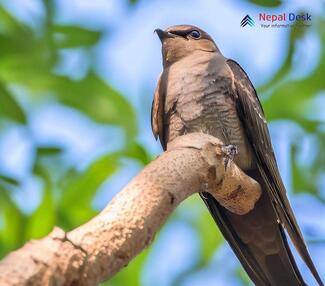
(182, 40)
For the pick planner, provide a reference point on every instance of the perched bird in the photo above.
(200, 90)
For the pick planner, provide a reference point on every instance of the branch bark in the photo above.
(97, 250)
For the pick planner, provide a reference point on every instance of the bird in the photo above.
(200, 90)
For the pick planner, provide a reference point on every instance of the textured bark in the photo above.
(97, 250)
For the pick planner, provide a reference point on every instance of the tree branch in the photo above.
(98, 249)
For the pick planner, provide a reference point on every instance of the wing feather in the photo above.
(250, 111)
(157, 113)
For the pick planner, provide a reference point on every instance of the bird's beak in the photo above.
(163, 34)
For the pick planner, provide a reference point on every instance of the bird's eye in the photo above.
(195, 34)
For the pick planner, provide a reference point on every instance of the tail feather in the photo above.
(259, 242)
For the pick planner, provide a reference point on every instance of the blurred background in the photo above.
(76, 84)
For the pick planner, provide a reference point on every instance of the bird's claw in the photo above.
(230, 151)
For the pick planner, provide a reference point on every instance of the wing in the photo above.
(251, 114)
(229, 231)
(157, 113)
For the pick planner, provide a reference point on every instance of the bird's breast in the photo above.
(198, 100)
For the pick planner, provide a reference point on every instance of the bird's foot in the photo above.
(230, 151)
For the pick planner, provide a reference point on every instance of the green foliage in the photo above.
(5, 180)
(12, 223)
(42, 220)
(96, 99)
(290, 99)
(267, 3)
(74, 208)
(132, 2)
(73, 36)
(28, 60)
(9, 107)
(132, 272)
(296, 93)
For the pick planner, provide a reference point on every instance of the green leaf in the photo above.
(296, 33)
(206, 228)
(79, 190)
(91, 95)
(9, 107)
(28, 70)
(303, 179)
(48, 151)
(292, 96)
(266, 3)
(138, 152)
(8, 23)
(210, 236)
(9, 180)
(11, 224)
(98, 100)
(43, 219)
(74, 36)
(132, 272)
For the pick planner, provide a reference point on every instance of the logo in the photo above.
(247, 20)
(280, 20)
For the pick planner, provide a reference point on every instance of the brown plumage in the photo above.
(200, 90)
